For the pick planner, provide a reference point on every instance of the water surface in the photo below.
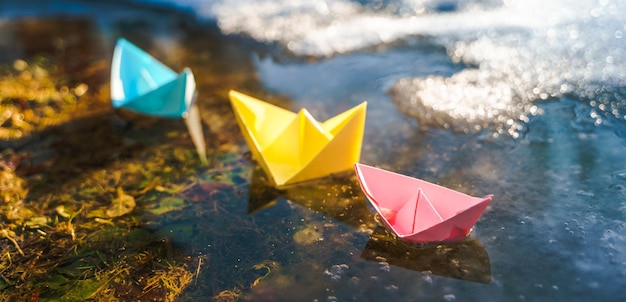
(554, 230)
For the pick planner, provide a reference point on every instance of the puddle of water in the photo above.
(554, 229)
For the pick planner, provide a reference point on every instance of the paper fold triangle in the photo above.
(417, 214)
(418, 211)
(294, 147)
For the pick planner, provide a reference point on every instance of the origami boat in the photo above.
(141, 83)
(294, 147)
(418, 211)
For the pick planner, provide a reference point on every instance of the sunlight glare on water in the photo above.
(517, 52)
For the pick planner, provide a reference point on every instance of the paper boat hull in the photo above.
(141, 83)
(444, 216)
(293, 147)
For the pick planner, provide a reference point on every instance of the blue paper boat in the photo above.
(141, 83)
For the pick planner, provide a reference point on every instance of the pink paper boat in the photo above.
(418, 211)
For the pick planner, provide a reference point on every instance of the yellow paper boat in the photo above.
(294, 147)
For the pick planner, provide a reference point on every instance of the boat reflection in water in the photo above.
(465, 260)
(337, 196)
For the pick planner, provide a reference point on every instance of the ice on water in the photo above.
(517, 52)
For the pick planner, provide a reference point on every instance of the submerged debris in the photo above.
(121, 205)
(30, 98)
(307, 235)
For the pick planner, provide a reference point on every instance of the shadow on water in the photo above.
(84, 145)
(466, 260)
(337, 196)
